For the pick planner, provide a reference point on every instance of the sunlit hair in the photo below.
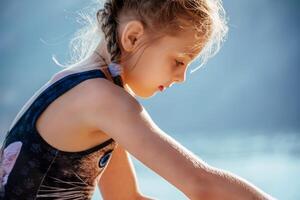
(159, 17)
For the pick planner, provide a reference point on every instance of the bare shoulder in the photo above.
(101, 98)
(118, 114)
(122, 118)
(96, 94)
(105, 93)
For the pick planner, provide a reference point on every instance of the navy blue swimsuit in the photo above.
(32, 169)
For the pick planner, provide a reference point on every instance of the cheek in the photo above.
(147, 67)
(145, 74)
(137, 75)
(150, 71)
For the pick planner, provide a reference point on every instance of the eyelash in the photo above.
(178, 63)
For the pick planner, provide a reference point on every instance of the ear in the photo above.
(131, 34)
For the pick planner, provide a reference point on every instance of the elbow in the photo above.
(218, 184)
(204, 192)
(211, 183)
(199, 193)
(202, 186)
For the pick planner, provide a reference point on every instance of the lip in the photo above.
(161, 88)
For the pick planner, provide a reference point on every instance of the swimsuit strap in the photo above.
(57, 89)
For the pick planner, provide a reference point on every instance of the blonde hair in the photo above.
(170, 17)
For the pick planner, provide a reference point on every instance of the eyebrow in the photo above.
(186, 54)
(190, 56)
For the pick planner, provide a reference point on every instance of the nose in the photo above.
(180, 77)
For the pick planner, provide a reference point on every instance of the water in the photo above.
(271, 162)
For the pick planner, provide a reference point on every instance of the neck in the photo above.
(102, 58)
(102, 50)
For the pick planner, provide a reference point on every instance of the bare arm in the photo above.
(118, 180)
(225, 185)
(120, 116)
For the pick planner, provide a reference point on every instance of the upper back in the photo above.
(66, 114)
(52, 139)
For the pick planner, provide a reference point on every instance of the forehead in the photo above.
(183, 45)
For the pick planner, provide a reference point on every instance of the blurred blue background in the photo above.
(240, 112)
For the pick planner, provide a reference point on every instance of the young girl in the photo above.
(77, 130)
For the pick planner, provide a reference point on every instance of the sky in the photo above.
(250, 85)
(251, 88)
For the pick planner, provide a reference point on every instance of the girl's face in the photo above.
(159, 64)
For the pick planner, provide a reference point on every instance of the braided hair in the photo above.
(166, 17)
(107, 17)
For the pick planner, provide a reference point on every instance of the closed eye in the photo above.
(178, 63)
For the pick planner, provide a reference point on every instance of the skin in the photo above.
(141, 76)
(141, 72)
(93, 105)
(149, 73)
(143, 80)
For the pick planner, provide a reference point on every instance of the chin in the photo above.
(145, 94)
(142, 93)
